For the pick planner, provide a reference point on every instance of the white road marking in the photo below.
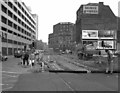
(6, 88)
(10, 72)
(10, 75)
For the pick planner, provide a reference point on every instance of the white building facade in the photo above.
(17, 26)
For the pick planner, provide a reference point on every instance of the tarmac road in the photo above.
(65, 82)
(22, 80)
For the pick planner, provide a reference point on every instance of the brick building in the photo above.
(62, 36)
(95, 17)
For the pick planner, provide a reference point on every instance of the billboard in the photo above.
(106, 34)
(89, 34)
(87, 9)
(107, 44)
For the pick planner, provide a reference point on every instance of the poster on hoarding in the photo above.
(90, 44)
(106, 34)
(87, 9)
(106, 44)
(89, 34)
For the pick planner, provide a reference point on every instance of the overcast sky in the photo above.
(51, 12)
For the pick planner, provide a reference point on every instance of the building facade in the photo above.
(36, 19)
(97, 23)
(62, 36)
(17, 25)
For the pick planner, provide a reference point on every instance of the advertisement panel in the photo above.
(89, 34)
(106, 44)
(106, 34)
(87, 9)
(91, 44)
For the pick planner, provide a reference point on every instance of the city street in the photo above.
(17, 78)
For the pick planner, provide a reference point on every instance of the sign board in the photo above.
(106, 34)
(89, 34)
(87, 9)
(108, 44)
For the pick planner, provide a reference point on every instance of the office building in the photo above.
(17, 25)
(62, 36)
(36, 19)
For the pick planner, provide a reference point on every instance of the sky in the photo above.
(51, 12)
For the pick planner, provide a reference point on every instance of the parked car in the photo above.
(18, 53)
(3, 58)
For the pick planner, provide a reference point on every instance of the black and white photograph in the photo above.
(59, 46)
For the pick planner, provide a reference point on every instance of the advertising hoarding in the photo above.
(106, 34)
(108, 44)
(87, 9)
(89, 34)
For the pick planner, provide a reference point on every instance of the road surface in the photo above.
(17, 78)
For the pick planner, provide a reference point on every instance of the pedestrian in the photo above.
(109, 67)
(32, 59)
(99, 57)
(25, 58)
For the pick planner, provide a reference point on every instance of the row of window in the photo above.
(15, 9)
(4, 9)
(9, 51)
(11, 24)
(14, 33)
(12, 41)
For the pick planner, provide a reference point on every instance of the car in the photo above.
(18, 53)
(3, 58)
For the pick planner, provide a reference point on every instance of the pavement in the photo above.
(91, 64)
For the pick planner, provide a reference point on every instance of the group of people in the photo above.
(31, 58)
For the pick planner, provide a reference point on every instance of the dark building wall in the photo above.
(118, 32)
(104, 20)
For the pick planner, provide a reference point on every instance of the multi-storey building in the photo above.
(17, 25)
(62, 36)
(96, 23)
(36, 19)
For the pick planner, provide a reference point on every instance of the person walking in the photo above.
(32, 59)
(109, 67)
(25, 58)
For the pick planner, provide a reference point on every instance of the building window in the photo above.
(4, 51)
(10, 23)
(23, 17)
(3, 29)
(9, 31)
(15, 26)
(15, 42)
(4, 20)
(19, 21)
(15, 33)
(15, 9)
(10, 4)
(19, 28)
(10, 13)
(19, 43)
(19, 13)
(10, 52)
(4, 37)
(10, 41)
(15, 18)
(4, 9)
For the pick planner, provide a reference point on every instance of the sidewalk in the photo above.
(90, 64)
(11, 65)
